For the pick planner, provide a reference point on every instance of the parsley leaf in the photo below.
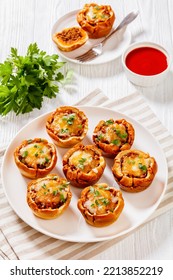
(26, 80)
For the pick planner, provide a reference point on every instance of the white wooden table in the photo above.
(23, 22)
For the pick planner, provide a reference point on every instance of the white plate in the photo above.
(113, 48)
(70, 225)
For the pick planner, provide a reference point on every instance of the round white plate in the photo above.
(71, 226)
(113, 48)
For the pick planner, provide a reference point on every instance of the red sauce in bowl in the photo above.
(146, 61)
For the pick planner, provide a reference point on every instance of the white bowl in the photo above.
(145, 80)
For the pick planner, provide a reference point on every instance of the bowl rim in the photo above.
(141, 44)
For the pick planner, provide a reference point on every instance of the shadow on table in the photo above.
(102, 70)
(160, 93)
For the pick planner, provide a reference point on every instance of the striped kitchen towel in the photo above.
(20, 241)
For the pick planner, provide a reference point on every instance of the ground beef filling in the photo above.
(70, 35)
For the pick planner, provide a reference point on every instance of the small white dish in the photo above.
(113, 48)
(146, 80)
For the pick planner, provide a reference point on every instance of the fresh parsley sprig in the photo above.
(26, 80)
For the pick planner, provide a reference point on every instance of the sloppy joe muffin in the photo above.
(67, 126)
(35, 157)
(70, 38)
(134, 170)
(48, 197)
(113, 136)
(100, 204)
(96, 20)
(83, 165)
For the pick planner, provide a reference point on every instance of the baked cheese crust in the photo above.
(83, 165)
(35, 157)
(113, 136)
(100, 204)
(134, 170)
(48, 197)
(96, 20)
(67, 126)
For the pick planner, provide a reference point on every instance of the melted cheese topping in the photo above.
(66, 125)
(80, 159)
(35, 154)
(113, 133)
(50, 193)
(97, 13)
(100, 201)
(85, 161)
(135, 165)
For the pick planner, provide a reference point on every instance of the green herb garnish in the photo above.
(82, 160)
(104, 188)
(64, 130)
(97, 203)
(44, 186)
(100, 137)
(25, 154)
(81, 163)
(55, 192)
(142, 167)
(94, 191)
(108, 122)
(26, 80)
(105, 201)
(71, 119)
(97, 7)
(63, 186)
(46, 160)
(131, 162)
(92, 205)
(101, 187)
(62, 198)
(115, 142)
(121, 135)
